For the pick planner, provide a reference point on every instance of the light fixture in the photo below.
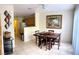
(43, 6)
(29, 8)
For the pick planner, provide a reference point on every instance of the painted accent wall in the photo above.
(16, 27)
(0, 38)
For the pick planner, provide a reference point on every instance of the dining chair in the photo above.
(52, 40)
(41, 40)
(48, 43)
(51, 31)
(37, 33)
(57, 41)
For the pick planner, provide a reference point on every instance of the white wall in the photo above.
(29, 31)
(67, 22)
(10, 10)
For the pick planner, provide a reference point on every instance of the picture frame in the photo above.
(7, 19)
(54, 21)
(30, 21)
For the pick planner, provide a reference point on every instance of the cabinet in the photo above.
(8, 45)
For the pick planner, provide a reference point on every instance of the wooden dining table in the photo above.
(48, 36)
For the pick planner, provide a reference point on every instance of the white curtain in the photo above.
(76, 31)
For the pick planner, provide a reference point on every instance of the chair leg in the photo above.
(58, 45)
(46, 44)
(41, 44)
(50, 44)
(36, 40)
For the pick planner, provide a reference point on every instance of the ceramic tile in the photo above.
(30, 48)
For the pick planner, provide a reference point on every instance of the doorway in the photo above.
(0, 39)
(16, 28)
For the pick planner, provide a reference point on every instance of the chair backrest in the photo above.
(37, 31)
(58, 39)
(51, 31)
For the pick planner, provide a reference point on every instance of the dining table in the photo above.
(48, 36)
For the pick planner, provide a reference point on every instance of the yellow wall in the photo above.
(16, 27)
(0, 38)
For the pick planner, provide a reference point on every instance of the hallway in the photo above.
(30, 48)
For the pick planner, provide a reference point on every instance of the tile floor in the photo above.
(30, 48)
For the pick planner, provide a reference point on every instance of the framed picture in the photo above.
(54, 21)
(30, 21)
(7, 19)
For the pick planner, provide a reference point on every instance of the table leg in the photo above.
(46, 44)
(59, 42)
(36, 40)
(50, 44)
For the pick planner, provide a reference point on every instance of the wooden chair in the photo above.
(37, 33)
(48, 43)
(52, 40)
(41, 40)
(57, 41)
(51, 31)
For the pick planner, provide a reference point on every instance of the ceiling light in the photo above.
(29, 8)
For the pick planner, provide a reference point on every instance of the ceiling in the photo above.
(29, 9)
(24, 9)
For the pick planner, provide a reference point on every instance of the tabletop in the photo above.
(48, 34)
